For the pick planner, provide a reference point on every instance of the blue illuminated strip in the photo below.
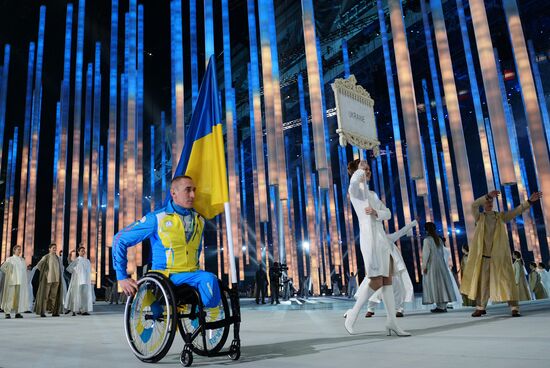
(152, 169)
(112, 182)
(302, 224)
(4, 74)
(243, 216)
(163, 156)
(139, 115)
(194, 53)
(435, 159)
(86, 194)
(392, 187)
(208, 30)
(57, 144)
(526, 183)
(414, 249)
(492, 153)
(540, 91)
(96, 124)
(345, 56)
(306, 149)
(4, 248)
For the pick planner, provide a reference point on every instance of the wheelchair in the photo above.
(158, 309)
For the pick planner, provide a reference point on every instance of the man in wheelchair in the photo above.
(175, 232)
(155, 310)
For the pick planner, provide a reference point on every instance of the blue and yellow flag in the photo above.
(203, 155)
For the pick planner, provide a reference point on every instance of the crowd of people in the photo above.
(54, 294)
(487, 270)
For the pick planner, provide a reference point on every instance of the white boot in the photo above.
(389, 304)
(351, 315)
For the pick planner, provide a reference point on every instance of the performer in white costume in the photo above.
(15, 293)
(402, 285)
(545, 276)
(79, 297)
(30, 275)
(378, 252)
(437, 285)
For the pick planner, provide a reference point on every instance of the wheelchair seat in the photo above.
(159, 308)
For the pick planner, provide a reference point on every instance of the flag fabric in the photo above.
(203, 155)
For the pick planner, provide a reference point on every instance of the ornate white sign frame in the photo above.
(355, 114)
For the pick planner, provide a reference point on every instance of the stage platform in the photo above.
(302, 333)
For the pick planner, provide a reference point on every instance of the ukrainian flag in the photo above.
(203, 155)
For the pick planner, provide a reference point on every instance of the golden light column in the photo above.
(5, 251)
(88, 107)
(77, 123)
(453, 111)
(406, 90)
(314, 83)
(399, 157)
(25, 157)
(270, 125)
(492, 92)
(531, 104)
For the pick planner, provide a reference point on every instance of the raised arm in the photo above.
(524, 206)
(356, 179)
(401, 232)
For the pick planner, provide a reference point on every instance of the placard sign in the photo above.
(355, 113)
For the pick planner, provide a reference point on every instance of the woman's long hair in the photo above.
(431, 230)
(353, 166)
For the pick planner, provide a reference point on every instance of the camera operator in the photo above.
(275, 275)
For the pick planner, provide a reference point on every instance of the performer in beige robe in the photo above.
(467, 302)
(15, 296)
(49, 296)
(519, 274)
(489, 273)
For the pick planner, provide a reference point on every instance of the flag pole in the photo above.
(230, 244)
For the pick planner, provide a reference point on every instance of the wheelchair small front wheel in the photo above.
(234, 352)
(186, 357)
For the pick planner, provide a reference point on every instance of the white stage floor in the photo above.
(310, 335)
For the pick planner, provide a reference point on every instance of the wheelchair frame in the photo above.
(175, 298)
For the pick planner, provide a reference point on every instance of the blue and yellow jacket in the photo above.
(172, 252)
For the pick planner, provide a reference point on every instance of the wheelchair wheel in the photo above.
(216, 338)
(150, 325)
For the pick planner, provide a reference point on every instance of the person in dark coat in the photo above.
(274, 277)
(261, 284)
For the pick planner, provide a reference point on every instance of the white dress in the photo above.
(15, 291)
(79, 296)
(402, 285)
(448, 259)
(437, 286)
(375, 246)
